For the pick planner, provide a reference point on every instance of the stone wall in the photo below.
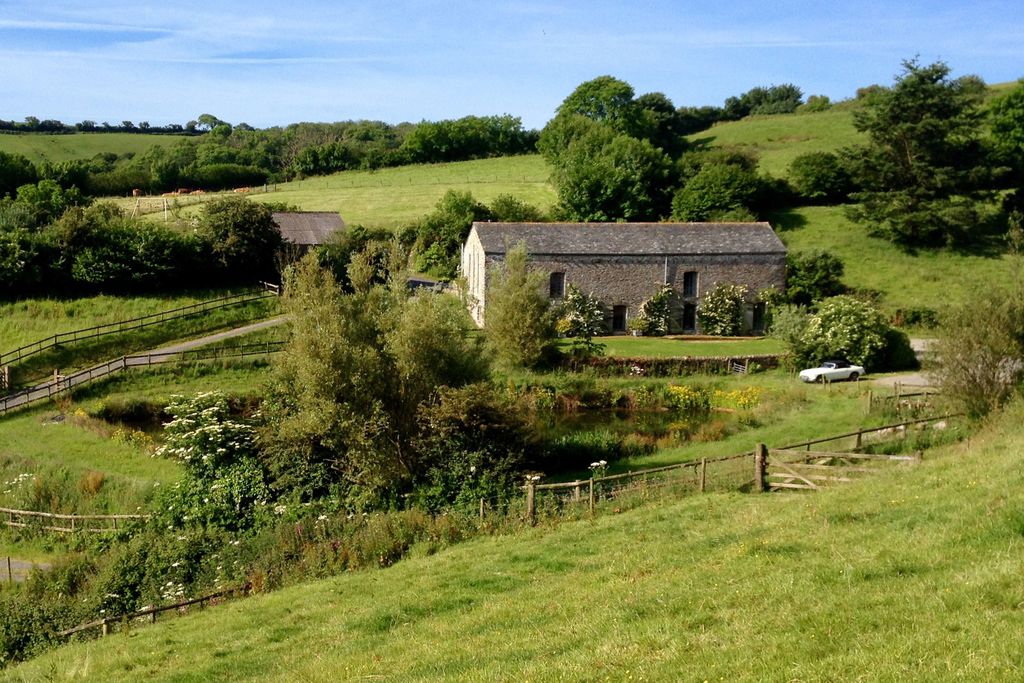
(631, 280)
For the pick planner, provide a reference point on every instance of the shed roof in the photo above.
(307, 228)
(641, 239)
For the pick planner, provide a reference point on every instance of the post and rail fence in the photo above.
(69, 524)
(265, 290)
(149, 613)
(62, 383)
(729, 472)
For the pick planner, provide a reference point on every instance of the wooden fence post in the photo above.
(859, 437)
(481, 509)
(106, 627)
(703, 474)
(760, 466)
(10, 574)
(5, 377)
(531, 501)
(591, 496)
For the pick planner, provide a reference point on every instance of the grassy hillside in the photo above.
(933, 279)
(915, 576)
(39, 147)
(394, 197)
(778, 139)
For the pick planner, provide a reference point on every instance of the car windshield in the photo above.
(829, 366)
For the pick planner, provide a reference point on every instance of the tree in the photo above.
(924, 168)
(721, 310)
(47, 200)
(662, 124)
(242, 236)
(441, 233)
(607, 176)
(717, 192)
(15, 171)
(341, 411)
(820, 177)
(607, 100)
(812, 276)
(518, 326)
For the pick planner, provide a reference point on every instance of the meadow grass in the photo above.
(396, 197)
(29, 320)
(671, 347)
(37, 147)
(927, 278)
(75, 465)
(778, 139)
(908, 575)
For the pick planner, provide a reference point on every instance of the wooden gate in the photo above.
(812, 470)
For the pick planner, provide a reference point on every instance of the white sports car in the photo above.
(832, 371)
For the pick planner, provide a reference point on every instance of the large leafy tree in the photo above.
(606, 176)
(924, 167)
(519, 324)
(242, 235)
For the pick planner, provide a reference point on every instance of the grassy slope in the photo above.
(778, 139)
(928, 278)
(55, 148)
(395, 197)
(909, 577)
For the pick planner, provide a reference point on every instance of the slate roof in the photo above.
(632, 239)
(307, 228)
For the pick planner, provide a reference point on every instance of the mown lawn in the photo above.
(914, 575)
(671, 347)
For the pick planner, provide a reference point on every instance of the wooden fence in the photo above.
(265, 290)
(812, 470)
(49, 521)
(149, 613)
(732, 472)
(63, 383)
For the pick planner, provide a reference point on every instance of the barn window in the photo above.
(556, 285)
(690, 283)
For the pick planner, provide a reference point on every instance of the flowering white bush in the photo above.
(846, 327)
(224, 481)
(657, 312)
(582, 315)
(721, 310)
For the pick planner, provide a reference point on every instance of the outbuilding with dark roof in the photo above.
(624, 264)
(307, 229)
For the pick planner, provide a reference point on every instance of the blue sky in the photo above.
(270, 63)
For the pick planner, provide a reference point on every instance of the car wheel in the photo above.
(854, 376)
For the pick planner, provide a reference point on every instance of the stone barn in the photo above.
(624, 264)
(306, 229)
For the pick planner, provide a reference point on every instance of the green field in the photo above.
(913, 575)
(674, 347)
(927, 278)
(37, 147)
(777, 140)
(395, 197)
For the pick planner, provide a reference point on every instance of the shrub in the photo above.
(721, 310)
(812, 276)
(716, 190)
(689, 400)
(657, 312)
(845, 327)
(820, 177)
(519, 328)
(581, 314)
